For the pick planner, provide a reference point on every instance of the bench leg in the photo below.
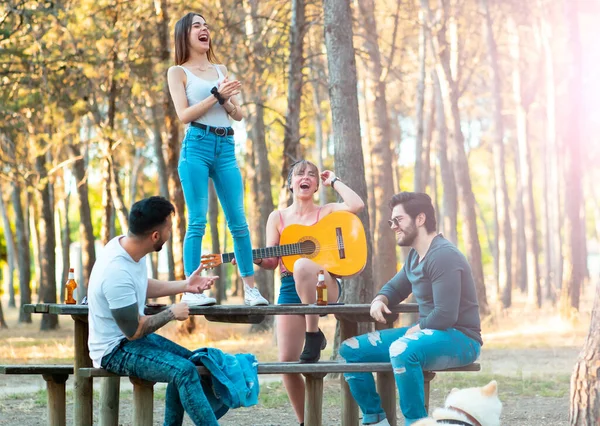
(143, 401)
(57, 413)
(313, 404)
(428, 376)
(109, 401)
(84, 391)
(349, 406)
(386, 388)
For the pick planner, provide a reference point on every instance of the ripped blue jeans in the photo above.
(410, 355)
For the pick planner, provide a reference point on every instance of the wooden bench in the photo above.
(314, 373)
(55, 376)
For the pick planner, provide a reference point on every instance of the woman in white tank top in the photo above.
(204, 100)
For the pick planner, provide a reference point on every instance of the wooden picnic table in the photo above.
(349, 316)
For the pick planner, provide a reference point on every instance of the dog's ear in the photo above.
(491, 389)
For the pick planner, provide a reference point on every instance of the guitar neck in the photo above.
(262, 253)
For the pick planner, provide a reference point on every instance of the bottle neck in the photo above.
(71, 275)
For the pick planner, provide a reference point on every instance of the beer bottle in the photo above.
(321, 289)
(71, 286)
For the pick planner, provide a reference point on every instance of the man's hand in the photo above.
(413, 329)
(197, 283)
(181, 311)
(326, 177)
(378, 309)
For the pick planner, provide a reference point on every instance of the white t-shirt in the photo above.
(116, 281)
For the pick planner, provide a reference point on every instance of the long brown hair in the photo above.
(182, 43)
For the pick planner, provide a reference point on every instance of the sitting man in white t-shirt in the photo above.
(121, 337)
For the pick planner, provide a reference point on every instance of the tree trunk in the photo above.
(213, 220)
(173, 147)
(162, 13)
(384, 262)
(291, 138)
(525, 176)
(348, 153)
(65, 242)
(575, 271)
(47, 244)
(585, 386)
(3, 323)
(552, 199)
(86, 229)
(504, 235)
(10, 251)
(261, 198)
(450, 196)
(116, 194)
(421, 146)
(23, 252)
(461, 165)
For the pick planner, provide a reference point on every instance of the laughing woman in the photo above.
(204, 99)
(294, 331)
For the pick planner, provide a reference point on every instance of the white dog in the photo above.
(468, 407)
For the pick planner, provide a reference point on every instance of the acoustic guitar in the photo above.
(337, 242)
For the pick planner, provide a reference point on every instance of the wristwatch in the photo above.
(334, 180)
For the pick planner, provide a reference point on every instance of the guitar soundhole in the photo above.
(308, 247)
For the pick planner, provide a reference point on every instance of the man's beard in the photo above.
(410, 234)
(158, 245)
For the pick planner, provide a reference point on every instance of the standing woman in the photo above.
(204, 99)
(299, 336)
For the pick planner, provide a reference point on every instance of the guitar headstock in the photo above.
(210, 261)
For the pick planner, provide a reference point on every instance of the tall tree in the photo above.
(291, 138)
(348, 155)
(384, 262)
(10, 250)
(173, 146)
(523, 97)
(23, 252)
(585, 386)
(502, 210)
(161, 9)
(574, 272)
(441, 49)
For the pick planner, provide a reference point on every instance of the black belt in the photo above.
(219, 131)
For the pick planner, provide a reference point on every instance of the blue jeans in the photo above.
(205, 155)
(157, 359)
(409, 355)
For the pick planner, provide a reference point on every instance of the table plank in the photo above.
(232, 310)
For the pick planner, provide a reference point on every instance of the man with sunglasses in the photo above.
(448, 332)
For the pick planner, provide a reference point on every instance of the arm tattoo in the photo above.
(129, 321)
(154, 322)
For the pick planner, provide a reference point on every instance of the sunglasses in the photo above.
(395, 221)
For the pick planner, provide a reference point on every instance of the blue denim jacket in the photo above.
(234, 379)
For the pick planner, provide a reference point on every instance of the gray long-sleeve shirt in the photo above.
(443, 286)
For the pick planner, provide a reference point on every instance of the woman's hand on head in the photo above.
(326, 177)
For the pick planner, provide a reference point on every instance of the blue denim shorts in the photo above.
(288, 293)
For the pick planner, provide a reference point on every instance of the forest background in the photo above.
(489, 106)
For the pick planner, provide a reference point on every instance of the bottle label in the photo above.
(325, 295)
(321, 277)
(71, 275)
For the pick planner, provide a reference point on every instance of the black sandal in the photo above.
(314, 343)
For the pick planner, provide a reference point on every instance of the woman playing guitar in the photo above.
(299, 286)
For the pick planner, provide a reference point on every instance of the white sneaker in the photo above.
(252, 297)
(198, 299)
(383, 422)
